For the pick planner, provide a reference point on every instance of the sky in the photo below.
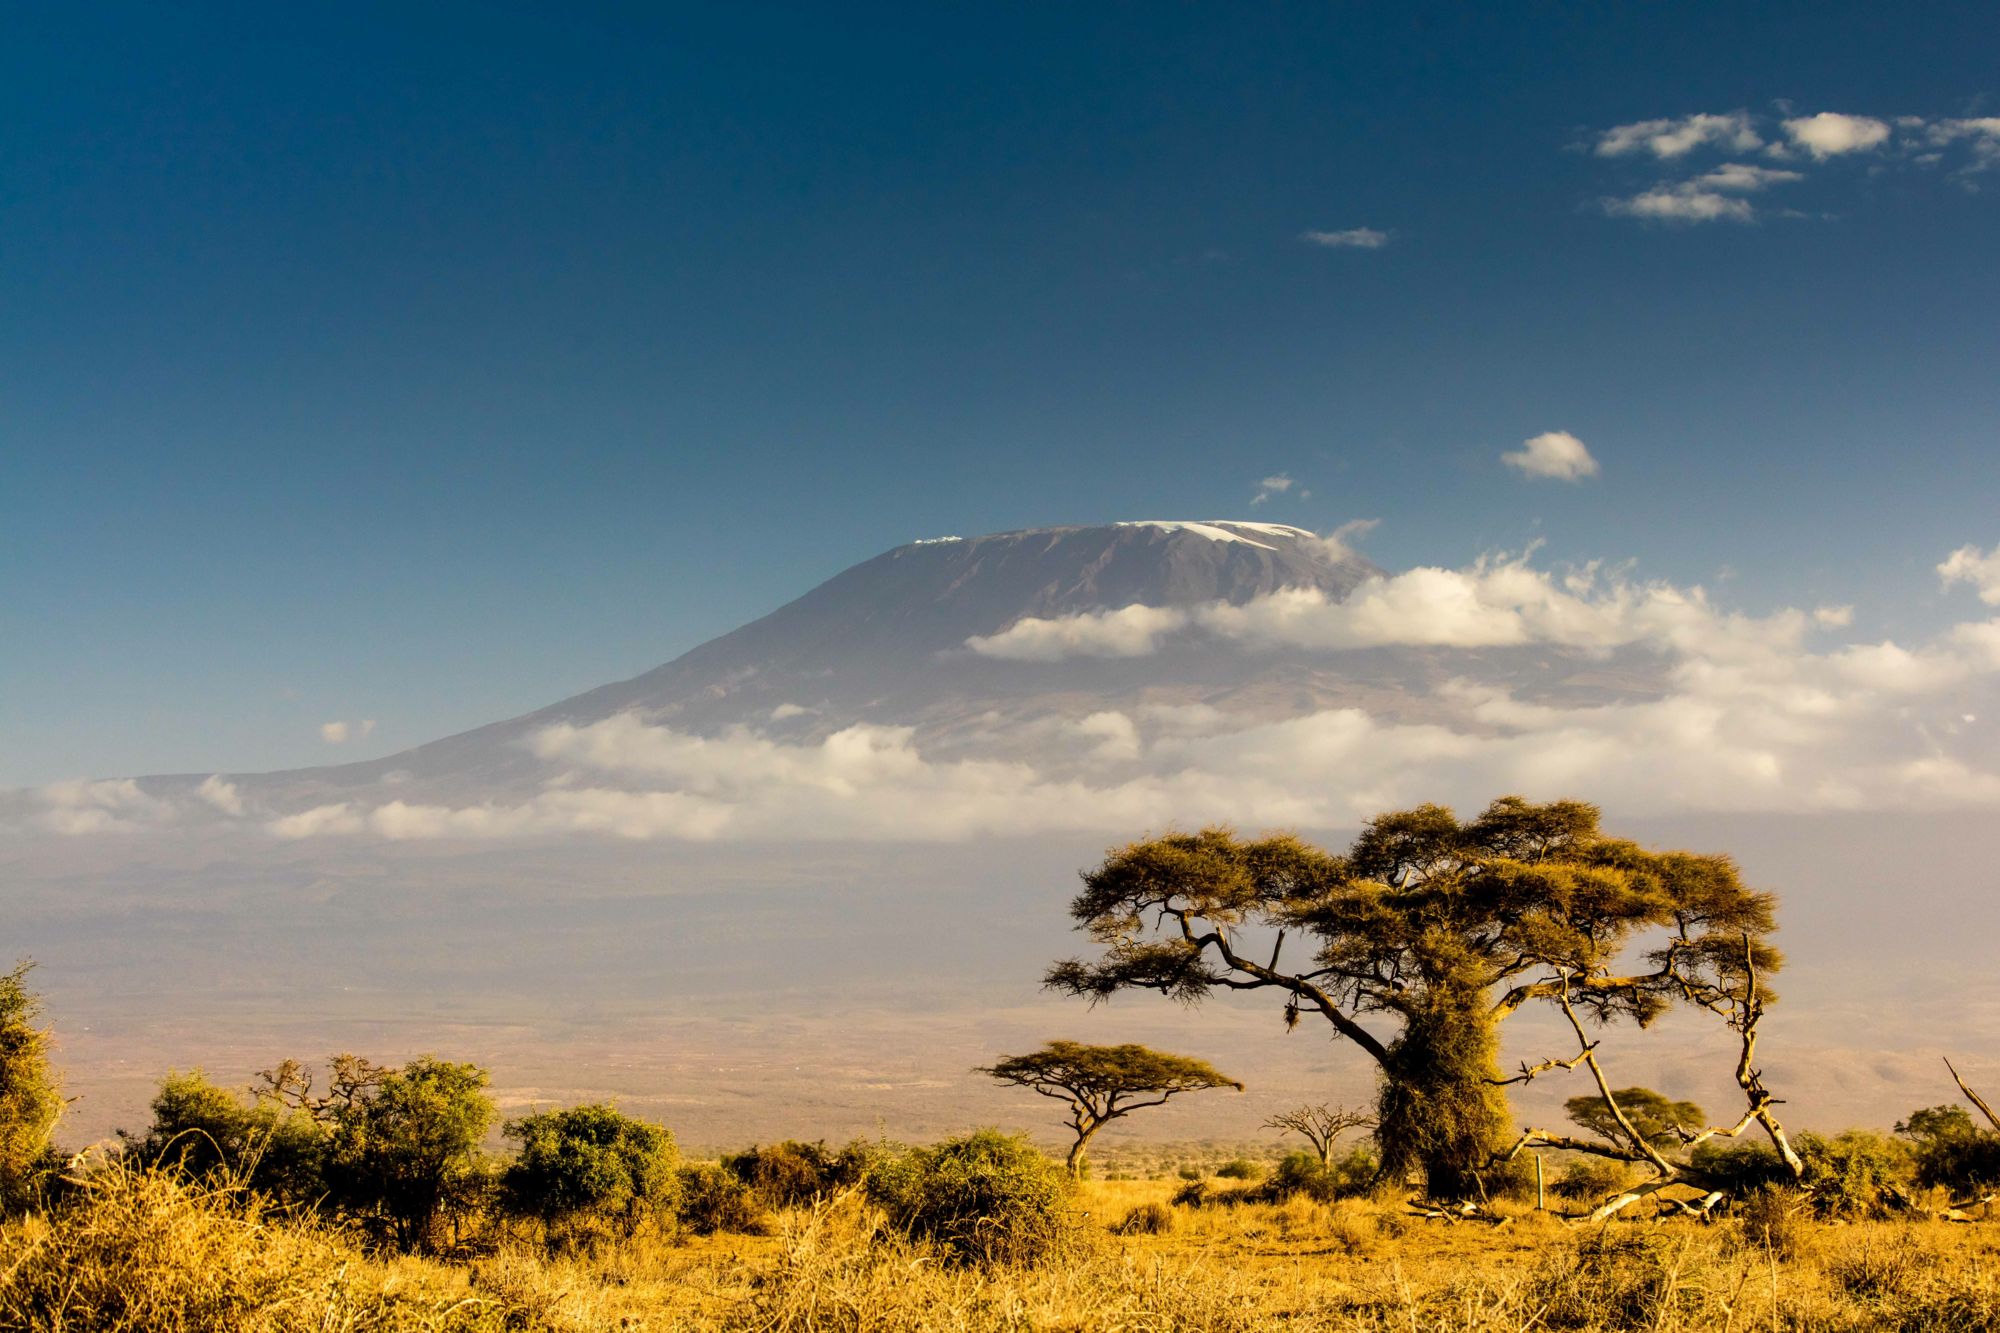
(409, 370)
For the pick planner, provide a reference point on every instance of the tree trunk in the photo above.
(1075, 1160)
(1440, 1116)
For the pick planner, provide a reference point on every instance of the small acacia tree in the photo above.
(1441, 928)
(1102, 1083)
(30, 1097)
(1653, 1116)
(1321, 1126)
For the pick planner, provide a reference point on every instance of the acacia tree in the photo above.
(1321, 1125)
(1440, 929)
(1654, 1116)
(1100, 1083)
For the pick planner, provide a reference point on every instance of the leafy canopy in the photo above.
(1421, 905)
(1658, 1118)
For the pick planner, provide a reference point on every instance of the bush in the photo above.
(591, 1169)
(30, 1097)
(1767, 1218)
(984, 1199)
(792, 1174)
(1302, 1175)
(1148, 1219)
(713, 1199)
(1240, 1168)
(405, 1157)
(1193, 1194)
(214, 1136)
(1588, 1180)
(1950, 1152)
(1740, 1169)
(1854, 1173)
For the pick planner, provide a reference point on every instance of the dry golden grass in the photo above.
(140, 1252)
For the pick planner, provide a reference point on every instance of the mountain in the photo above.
(886, 642)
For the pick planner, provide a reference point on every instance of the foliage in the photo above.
(713, 1200)
(214, 1135)
(791, 1173)
(1656, 1116)
(404, 1153)
(1952, 1152)
(592, 1168)
(1421, 921)
(983, 1199)
(1856, 1173)
(1588, 1178)
(1303, 1174)
(1102, 1083)
(30, 1095)
(1240, 1168)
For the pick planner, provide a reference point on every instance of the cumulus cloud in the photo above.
(1555, 454)
(1829, 134)
(221, 794)
(1961, 146)
(1270, 486)
(1354, 238)
(1675, 138)
(1969, 564)
(339, 733)
(1714, 196)
(1131, 631)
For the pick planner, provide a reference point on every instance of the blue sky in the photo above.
(425, 369)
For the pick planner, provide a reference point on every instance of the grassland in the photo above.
(144, 1252)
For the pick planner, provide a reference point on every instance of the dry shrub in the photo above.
(145, 1252)
(841, 1268)
(1148, 1219)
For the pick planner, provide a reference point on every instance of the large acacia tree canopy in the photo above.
(1095, 1073)
(1423, 910)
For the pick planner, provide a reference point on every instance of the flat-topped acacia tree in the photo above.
(1439, 928)
(1102, 1083)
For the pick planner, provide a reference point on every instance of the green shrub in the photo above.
(790, 1174)
(30, 1096)
(1740, 1168)
(591, 1169)
(1950, 1152)
(404, 1157)
(1240, 1168)
(984, 1199)
(713, 1199)
(1856, 1173)
(214, 1135)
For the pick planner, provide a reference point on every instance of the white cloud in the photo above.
(1833, 617)
(784, 711)
(1714, 196)
(1132, 631)
(1669, 139)
(1829, 134)
(117, 805)
(1556, 454)
(221, 794)
(1969, 564)
(1354, 238)
(1339, 544)
(339, 733)
(1270, 486)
